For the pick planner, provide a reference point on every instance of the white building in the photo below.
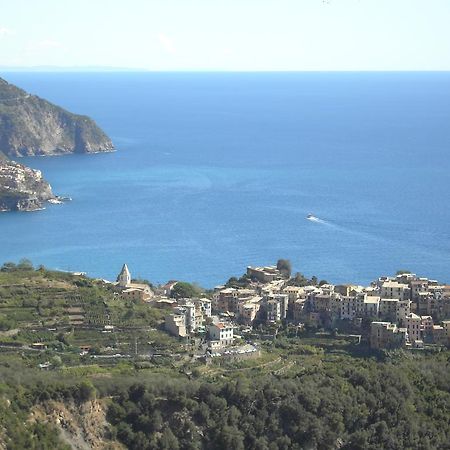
(205, 305)
(222, 333)
(394, 289)
(188, 306)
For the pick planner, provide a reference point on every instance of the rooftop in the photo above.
(394, 285)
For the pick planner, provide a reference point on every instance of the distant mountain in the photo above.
(30, 126)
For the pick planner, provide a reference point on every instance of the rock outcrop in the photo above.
(81, 426)
(30, 125)
(22, 188)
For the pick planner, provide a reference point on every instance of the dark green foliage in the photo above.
(242, 282)
(17, 431)
(285, 267)
(25, 265)
(300, 280)
(185, 290)
(352, 404)
(305, 392)
(401, 271)
(84, 391)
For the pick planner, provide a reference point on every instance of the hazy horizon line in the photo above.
(100, 69)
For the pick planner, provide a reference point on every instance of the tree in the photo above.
(168, 440)
(25, 264)
(241, 282)
(401, 272)
(86, 391)
(8, 267)
(285, 267)
(299, 280)
(184, 290)
(56, 361)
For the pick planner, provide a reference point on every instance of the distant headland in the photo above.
(31, 126)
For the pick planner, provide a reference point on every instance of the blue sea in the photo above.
(217, 171)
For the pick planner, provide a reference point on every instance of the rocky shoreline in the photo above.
(31, 126)
(23, 188)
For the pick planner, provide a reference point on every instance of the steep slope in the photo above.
(30, 126)
(22, 188)
(82, 426)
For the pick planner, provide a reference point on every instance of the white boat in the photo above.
(312, 218)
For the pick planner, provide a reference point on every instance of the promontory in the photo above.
(30, 125)
(22, 188)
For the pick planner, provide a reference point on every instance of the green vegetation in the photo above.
(402, 271)
(336, 401)
(285, 267)
(24, 132)
(299, 394)
(300, 280)
(185, 290)
(242, 282)
(306, 390)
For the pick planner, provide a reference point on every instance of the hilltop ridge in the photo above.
(30, 125)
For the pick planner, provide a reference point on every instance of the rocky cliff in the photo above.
(22, 188)
(30, 125)
(81, 426)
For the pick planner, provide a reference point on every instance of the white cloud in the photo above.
(167, 43)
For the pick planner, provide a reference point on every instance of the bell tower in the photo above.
(124, 278)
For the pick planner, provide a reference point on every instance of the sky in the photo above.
(227, 35)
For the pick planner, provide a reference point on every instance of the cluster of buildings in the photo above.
(189, 316)
(404, 310)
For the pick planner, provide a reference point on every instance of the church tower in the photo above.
(124, 278)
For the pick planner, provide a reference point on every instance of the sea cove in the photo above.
(214, 171)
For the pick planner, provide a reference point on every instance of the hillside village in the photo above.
(401, 311)
(72, 345)
(77, 317)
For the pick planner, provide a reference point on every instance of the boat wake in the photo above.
(313, 218)
(344, 229)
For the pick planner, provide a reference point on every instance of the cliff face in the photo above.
(82, 426)
(22, 188)
(30, 126)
